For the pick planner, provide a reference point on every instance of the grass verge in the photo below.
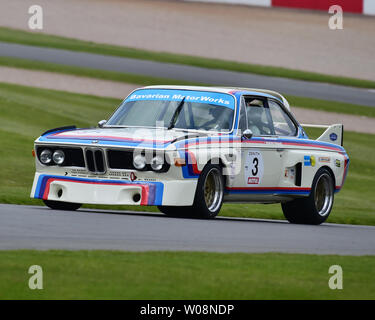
(309, 103)
(331, 106)
(183, 275)
(58, 42)
(88, 72)
(25, 112)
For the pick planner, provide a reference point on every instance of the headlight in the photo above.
(139, 162)
(46, 156)
(157, 163)
(58, 157)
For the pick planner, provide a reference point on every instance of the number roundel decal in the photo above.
(253, 167)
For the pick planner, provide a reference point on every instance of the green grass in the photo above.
(309, 103)
(88, 72)
(331, 106)
(51, 41)
(26, 112)
(183, 275)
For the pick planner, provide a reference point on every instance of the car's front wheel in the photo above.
(176, 211)
(210, 192)
(208, 196)
(316, 208)
(60, 205)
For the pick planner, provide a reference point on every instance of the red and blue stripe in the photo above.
(113, 140)
(269, 190)
(152, 192)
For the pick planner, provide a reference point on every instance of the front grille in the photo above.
(120, 159)
(90, 160)
(95, 160)
(99, 161)
(74, 157)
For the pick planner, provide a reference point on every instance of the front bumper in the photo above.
(113, 192)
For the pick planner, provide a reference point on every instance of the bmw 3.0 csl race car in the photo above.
(188, 149)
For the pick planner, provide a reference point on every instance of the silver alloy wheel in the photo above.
(323, 194)
(213, 189)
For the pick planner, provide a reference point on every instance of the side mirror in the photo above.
(101, 123)
(247, 134)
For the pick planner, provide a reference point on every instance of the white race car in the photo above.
(188, 149)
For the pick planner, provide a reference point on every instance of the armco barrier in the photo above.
(353, 6)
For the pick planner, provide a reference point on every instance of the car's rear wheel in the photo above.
(60, 205)
(316, 208)
(208, 196)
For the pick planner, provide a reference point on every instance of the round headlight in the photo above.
(58, 157)
(139, 162)
(46, 156)
(157, 163)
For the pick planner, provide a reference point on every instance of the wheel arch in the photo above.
(220, 162)
(331, 173)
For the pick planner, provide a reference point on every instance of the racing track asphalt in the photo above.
(189, 73)
(33, 227)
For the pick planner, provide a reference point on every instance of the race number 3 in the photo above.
(255, 170)
(253, 167)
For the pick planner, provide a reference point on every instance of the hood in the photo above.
(118, 136)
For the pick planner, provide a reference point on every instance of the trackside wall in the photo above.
(354, 6)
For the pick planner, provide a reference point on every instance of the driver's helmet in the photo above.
(214, 112)
(255, 113)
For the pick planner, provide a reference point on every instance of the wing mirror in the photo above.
(101, 123)
(247, 134)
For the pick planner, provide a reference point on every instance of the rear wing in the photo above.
(333, 134)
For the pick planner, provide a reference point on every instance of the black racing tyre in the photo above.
(60, 205)
(175, 211)
(208, 196)
(315, 208)
(209, 193)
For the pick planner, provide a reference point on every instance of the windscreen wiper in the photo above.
(186, 136)
(176, 113)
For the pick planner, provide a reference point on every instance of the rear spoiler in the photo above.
(333, 134)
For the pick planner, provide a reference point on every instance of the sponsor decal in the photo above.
(252, 180)
(309, 161)
(133, 176)
(289, 173)
(216, 98)
(333, 136)
(338, 163)
(306, 161)
(253, 167)
(312, 161)
(324, 159)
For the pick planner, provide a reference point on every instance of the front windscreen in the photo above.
(184, 109)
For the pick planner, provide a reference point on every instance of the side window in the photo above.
(281, 122)
(258, 117)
